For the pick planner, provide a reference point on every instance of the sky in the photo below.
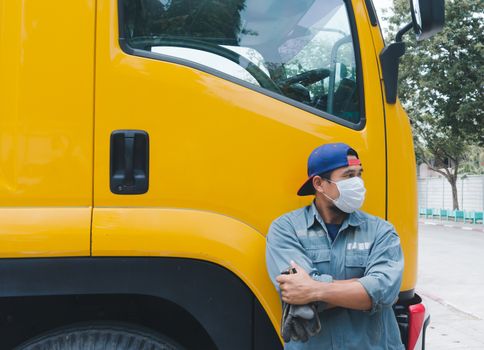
(381, 5)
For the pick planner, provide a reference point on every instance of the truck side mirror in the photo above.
(428, 18)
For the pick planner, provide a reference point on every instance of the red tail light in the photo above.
(415, 325)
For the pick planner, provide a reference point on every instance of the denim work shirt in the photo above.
(367, 248)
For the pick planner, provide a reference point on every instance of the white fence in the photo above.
(435, 192)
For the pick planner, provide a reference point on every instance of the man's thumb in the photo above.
(294, 265)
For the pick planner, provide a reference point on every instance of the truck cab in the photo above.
(146, 146)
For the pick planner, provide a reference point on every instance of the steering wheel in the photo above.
(301, 81)
(145, 43)
(306, 78)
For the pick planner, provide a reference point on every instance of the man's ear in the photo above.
(317, 183)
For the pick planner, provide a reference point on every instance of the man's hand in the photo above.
(298, 288)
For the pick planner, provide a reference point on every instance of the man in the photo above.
(347, 262)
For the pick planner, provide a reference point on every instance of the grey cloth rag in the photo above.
(299, 322)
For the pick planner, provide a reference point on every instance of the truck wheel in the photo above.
(104, 336)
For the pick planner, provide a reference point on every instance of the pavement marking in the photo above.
(449, 306)
(467, 228)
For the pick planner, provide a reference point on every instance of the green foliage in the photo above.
(472, 161)
(441, 85)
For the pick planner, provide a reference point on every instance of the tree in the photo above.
(474, 162)
(441, 86)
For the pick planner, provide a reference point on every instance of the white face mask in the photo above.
(351, 194)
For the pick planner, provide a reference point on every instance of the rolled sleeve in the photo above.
(282, 246)
(383, 274)
(322, 278)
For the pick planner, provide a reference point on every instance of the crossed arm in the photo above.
(300, 288)
(378, 287)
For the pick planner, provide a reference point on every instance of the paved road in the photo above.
(451, 281)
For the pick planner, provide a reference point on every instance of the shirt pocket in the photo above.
(355, 263)
(321, 258)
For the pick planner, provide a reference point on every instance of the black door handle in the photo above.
(129, 162)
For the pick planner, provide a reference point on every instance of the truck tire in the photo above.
(100, 336)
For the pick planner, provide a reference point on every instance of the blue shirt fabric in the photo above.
(332, 230)
(366, 248)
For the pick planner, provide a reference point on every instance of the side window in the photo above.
(300, 50)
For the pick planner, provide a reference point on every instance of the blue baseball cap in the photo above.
(326, 158)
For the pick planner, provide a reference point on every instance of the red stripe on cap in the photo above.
(355, 161)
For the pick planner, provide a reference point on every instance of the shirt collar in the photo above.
(313, 215)
(353, 219)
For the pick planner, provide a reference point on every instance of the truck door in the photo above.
(46, 127)
(230, 98)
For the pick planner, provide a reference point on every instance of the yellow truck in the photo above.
(146, 146)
